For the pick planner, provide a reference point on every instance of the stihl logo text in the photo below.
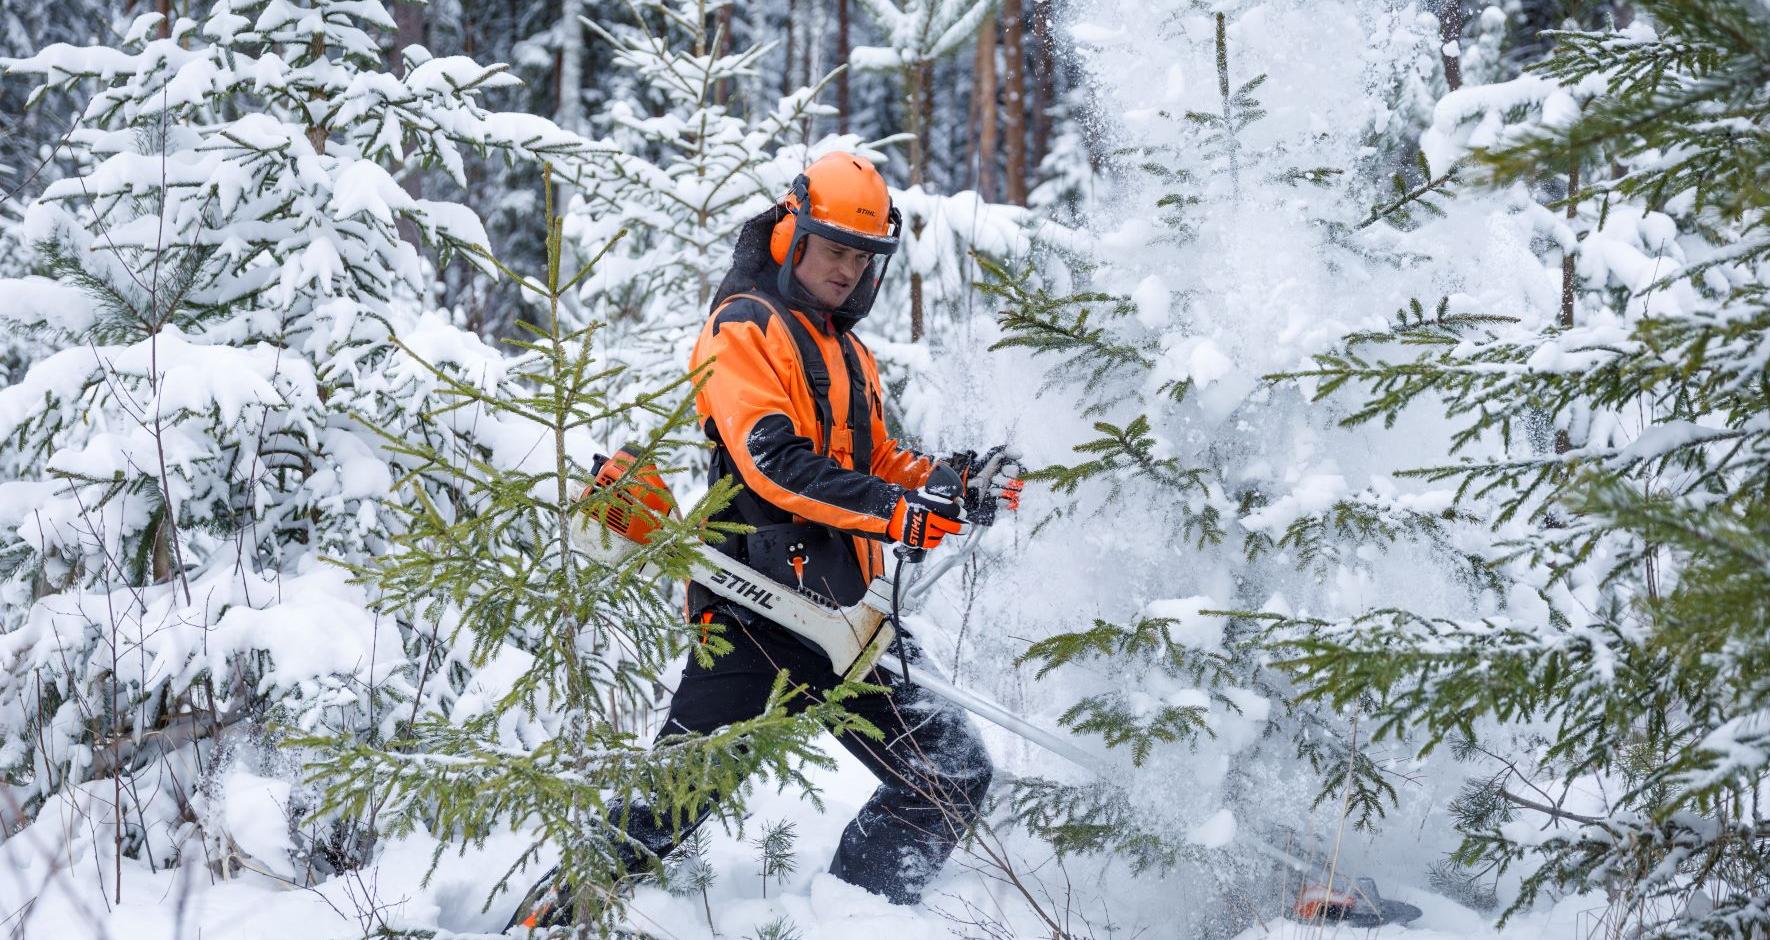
(745, 589)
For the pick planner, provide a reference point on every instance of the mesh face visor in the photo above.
(882, 247)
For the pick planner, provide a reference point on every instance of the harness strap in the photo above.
(817, 373)
(860, 410)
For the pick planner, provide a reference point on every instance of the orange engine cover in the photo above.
(641, 501)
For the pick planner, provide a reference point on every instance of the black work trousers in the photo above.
(933, 771)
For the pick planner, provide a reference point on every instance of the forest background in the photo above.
(1392, 376)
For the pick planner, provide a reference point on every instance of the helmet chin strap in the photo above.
(784, 281)
(801, 211)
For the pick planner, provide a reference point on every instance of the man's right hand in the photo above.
(921, 521)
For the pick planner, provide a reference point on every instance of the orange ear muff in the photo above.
(781, 238)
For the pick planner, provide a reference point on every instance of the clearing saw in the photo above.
(858, 637)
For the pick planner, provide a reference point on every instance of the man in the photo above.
(794, 408)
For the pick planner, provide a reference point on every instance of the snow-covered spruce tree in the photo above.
(916, 35)
(690, 170)
(1405, 62)
(224, 275)
(559, 638)
(1617, 446)
(1231, 247)
(1068, 175)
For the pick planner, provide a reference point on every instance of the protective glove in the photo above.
(920, 520)
(991, 482)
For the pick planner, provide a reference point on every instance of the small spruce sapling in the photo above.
(781, 928)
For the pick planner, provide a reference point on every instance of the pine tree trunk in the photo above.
(912, 76)
(1450, 33)
(1044, 58)
(925, 81)
(1013, 103)
(814, 45)
(317, 133)
(811, 61)
(912, 82)
(1567, 257)
(918, 319)
(787, 70)
(408, 23)
(1228, 110)
(571, 66)
(984, 114)
(409, 30)
(842, 51)
(722, 20)
(160, 559)
(1563, 443)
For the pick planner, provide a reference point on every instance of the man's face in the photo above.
(830, 272)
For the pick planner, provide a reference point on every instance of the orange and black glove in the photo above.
(920, 520)
(991, 482)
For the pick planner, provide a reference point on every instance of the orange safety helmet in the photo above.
(840, 197)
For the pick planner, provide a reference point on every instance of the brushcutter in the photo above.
(858, 637)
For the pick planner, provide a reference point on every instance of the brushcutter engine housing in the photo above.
(633, 514)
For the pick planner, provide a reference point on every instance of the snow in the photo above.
(265, 906)
(1666, 437)
(321, 627)
(1472, 116)
(366, 187)
(198, 377)
(1191, 626)
(1311, 493)
(38, 301)
(192, 84)
(444, 74)
(1151, 297)
(1215, 832)
(256, 815)
(1206, 363)
(1442, 919)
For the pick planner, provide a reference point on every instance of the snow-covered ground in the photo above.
(48, 897)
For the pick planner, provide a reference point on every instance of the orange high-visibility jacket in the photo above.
(757, 406)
